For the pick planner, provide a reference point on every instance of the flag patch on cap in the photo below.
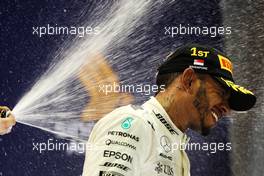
(199, 62)
(225, 63)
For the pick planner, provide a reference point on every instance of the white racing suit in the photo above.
(136, 141)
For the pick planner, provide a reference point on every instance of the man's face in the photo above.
(210, 104)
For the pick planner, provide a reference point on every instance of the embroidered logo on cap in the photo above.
(225, 63)
(237, 87)
(199, 62)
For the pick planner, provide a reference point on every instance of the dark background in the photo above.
(24, 57)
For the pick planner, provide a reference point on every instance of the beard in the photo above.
(205, 131)
(202, 106)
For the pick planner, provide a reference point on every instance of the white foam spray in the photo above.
(56, 99)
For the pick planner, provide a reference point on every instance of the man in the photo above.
(139, 140)
(7, 120)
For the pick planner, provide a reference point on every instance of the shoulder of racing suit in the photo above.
(120, 142)
(125, 118)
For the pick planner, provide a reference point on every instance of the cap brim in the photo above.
(240, 98)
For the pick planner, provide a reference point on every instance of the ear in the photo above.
(187, 79)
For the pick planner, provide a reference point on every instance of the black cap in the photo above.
(204, 59)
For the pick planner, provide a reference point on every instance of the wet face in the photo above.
(210, 104)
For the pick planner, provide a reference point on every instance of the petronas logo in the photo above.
(127, 123)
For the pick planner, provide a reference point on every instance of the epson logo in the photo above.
(118, 155)
(165, 123)
(117, 165)
(123, 134)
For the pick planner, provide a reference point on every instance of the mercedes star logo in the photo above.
(165, 143)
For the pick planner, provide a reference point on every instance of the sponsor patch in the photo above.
(164, 169)
(165, 156)
(237, 87)
(117, 155)
(116, 165)
(165, 123)
(109, 173)
(152, 126)
(123, 134)
(165, 143)
(127, 123)
(225, 63)
(121, 143)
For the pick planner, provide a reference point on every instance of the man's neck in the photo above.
(175, 111)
